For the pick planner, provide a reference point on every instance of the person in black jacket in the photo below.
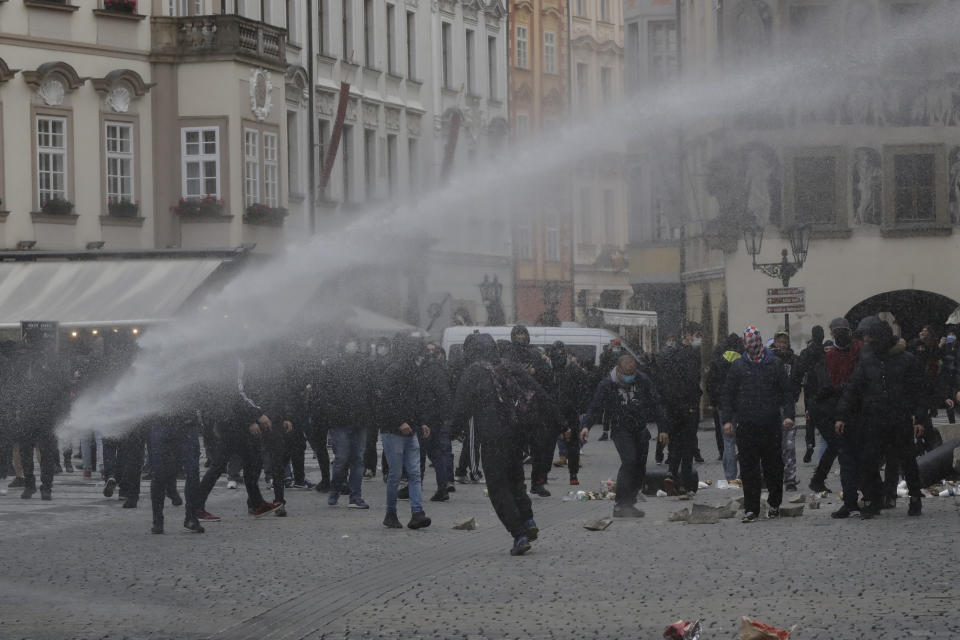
(347, 397)
(630, 400)
(757, 406)
(43, 399)
(402, 420)
(435, 400)
(811, 371)
(723, 358)
(927, 351)
(501, 443)
(679, 378)
(571, 393)
(885, 392)
(788, 445)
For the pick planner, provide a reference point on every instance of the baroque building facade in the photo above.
(539, 100)
(871, 169)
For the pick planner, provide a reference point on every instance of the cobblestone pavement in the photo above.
(82, 567)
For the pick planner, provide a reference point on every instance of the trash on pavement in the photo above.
(798, 499)
(661, 493)
(723, 484)
(598, 525)
(814, 502)
(703, 485)
(679, 516)
(756, 630)
(465, 524)
(683, 630)
(703, 514)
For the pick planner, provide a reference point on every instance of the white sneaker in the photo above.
(231, 484)
(3, 491)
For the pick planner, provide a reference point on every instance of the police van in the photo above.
(583, 343)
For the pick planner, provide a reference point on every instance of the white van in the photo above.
(583, 343)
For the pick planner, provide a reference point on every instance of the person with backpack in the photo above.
(630, 400)
(489, 393)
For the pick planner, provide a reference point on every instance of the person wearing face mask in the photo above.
(788, 445)
(841, 360)
(435, 394)
(631, 401)
(757, 407)
(608, 360)
(885, 392)
(811, 371)
(346, 396)
(679, 378)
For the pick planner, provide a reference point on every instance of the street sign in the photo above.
(786, 300)
(786, 308)
(39, 333)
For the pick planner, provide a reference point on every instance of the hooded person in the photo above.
(788, 445)
(811, 372)
(477, 399)
(722, 359)
(380, 356)
(571, 394)
(757, 406)
(401, 429)
(630, 400)
(884, 394)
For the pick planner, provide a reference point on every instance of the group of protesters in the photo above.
(868, 394)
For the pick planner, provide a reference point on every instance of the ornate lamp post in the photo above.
(491, 292)
(784, 270)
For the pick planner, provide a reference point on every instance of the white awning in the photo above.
(629, 318)
(99, 292)
(366, 321)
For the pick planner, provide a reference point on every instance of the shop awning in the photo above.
(629, 318)
(99, 292)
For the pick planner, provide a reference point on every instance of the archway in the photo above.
(910, 308)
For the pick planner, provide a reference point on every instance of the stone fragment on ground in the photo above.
(703, 514)
(598, 525)
(465, 524)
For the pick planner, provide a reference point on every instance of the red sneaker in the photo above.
(206, 516)
(264, 508)
(574, 482)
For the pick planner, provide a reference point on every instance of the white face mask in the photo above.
(350, 347)
(697, 342)
(382, 351)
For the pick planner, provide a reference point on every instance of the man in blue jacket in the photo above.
(757, 406)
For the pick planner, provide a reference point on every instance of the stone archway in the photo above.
(909, 308)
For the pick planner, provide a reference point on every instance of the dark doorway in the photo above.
(911, 308)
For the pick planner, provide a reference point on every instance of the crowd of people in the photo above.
(869, 395)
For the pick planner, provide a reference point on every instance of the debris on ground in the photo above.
(661, 493)
(465, 524)
(814, 502)
(798, 499)
(756, 630)
(679, 516)
(728, 510)
(791, 511)
(598, 525)
(703, 514)
(683, 630)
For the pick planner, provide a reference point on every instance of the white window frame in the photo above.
(251, 167)
(525, 240)
(116, 178)
(271, 169)
(523, 46)
(549, 52)
(201, 158)
(52, 153)
(551, 239)
(182, 8)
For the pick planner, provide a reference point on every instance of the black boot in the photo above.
(916, 506)
(419, 521)
(808, 456)
(157, 526)
(190, 523)
(440, 496)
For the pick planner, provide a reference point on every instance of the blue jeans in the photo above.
(402, 452)
(348, 444)
(730, 457)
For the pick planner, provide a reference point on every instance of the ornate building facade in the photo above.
(539, 99)
(870, 168)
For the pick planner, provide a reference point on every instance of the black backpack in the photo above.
(516, 395)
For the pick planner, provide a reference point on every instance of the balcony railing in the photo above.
(218, 37)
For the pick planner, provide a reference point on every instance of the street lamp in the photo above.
(784, 270)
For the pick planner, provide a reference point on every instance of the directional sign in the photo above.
(786, 291)
(786, 308)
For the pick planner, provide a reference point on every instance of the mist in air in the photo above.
(269, 301)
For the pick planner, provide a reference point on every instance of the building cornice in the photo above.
(698, 275)
(72, 47)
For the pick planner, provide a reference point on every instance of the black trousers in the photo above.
(173, 447)
(503, 467)
(811, 434)
(296, 451)
(900, 457)
(541, 443)
(849, 455)
(131, 463)
(370, 449)
(633, 446)
(759, 448)
(247, 448)
(317, 435)
(683, 424)
(274, 442)
(718, 430)
(46, 443)
(470, 453)
(823, 422)
(573, 453)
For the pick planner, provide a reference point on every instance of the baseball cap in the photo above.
(839, 323)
